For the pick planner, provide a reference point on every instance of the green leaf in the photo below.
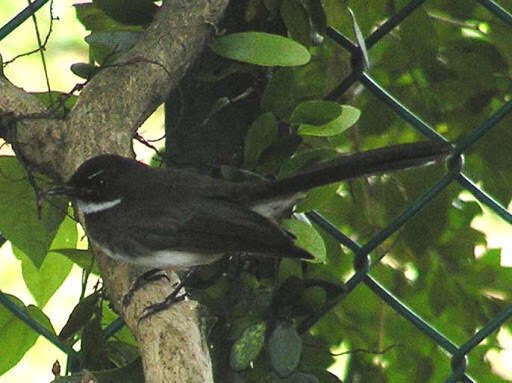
(94, 19)
(360, 40)
(307, 238)
(280, 96)
(261, 49)
(83, 70)
(16, 338)
(421, 50)
(133, 12)
(261, 134)
(19, 221)
(83, 258)
(316, 112)
(42, 282)
(285, 349)
(296, 20)
(289, 86)
(324, 118)
(105, 44)
(247, 348)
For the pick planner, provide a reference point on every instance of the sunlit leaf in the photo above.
(19, 221)
(261, 49)
(42, 282)
(324, 118)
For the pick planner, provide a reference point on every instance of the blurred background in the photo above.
(66, 46)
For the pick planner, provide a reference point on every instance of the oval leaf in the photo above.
(83, 70)
(285, 349)
(261, 49)
(324, 118)
(297, 22)
(247, 347)
(316, 112)
(261, 134)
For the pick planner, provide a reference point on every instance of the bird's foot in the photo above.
(142, 280)
(171, 299)
(165, 304)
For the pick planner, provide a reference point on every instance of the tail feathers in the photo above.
(293, 252)
(360, 164)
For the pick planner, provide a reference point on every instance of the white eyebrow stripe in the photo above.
(96, 174)
(95, 207)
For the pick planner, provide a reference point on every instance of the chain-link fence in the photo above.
(362, 260)
(362, 252)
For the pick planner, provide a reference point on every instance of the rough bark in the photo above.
(111, 107)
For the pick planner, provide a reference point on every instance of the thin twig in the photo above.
(41, 46)
(145, 142)
(41, 49)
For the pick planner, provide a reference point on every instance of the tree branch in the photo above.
(111, 107)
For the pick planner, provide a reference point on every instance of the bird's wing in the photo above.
(212, 226)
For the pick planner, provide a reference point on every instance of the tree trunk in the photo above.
(111, 107)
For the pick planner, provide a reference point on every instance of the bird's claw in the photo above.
(142, 280)
(165, 304)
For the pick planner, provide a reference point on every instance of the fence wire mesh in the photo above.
(362, 263)
(362, 259)
(17, 20)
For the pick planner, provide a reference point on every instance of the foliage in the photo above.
(270, 112)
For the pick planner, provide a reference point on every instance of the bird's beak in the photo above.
(62, 190)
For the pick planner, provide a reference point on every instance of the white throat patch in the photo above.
(95, 207)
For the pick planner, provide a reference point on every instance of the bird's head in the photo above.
(101, 179)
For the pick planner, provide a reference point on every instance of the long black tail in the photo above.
(360, 164)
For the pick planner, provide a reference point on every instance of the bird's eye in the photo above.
(100, 182)
(97, 179)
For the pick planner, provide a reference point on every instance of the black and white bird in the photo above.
(162, 217)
